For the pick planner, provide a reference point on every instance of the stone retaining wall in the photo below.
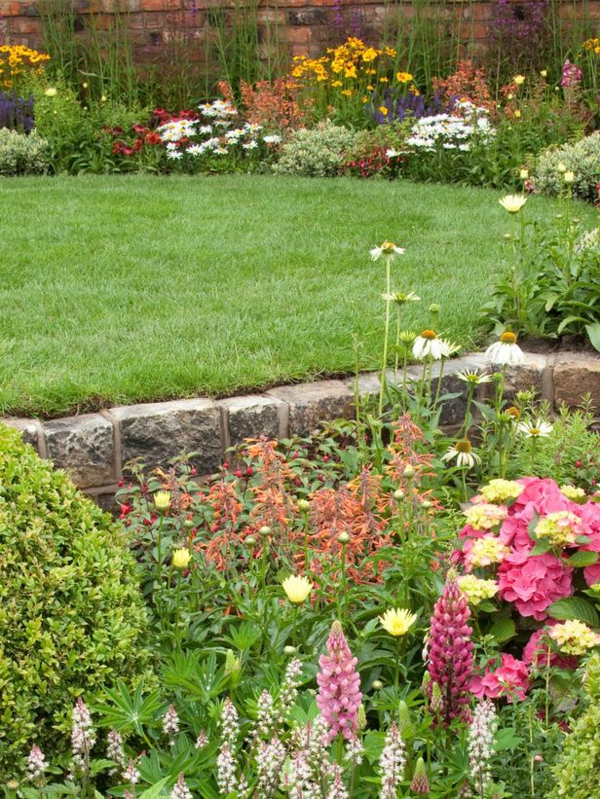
(93, 448)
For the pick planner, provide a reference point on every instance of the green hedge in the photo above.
(71, 615)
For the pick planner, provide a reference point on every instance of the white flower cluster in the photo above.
(391, 763)
(455, 131)
(83, 736)
(481, 742)
(214, 134)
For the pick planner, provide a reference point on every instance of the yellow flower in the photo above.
(544, 73)
(162, 500)
(383, 110)
(336, 83)
(523, 173)
(347, 92)
(573, 493)
(517, 114)
(574, 637)
(476, 589)
(51, 92)
(297, 588)
(181, 558)
(383, 79)
(397, 622)
(569, 177)
(403, 77)
(513, 202)
(501, 490)
(519, 80)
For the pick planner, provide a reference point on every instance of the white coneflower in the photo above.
(391, 763)
(428, 344)
(388, 249)
(481, 744)
(474, 378)
(399, 298)
(513, 202)
(506, 351)
(449, 348)
(462, 452)
(535, 429)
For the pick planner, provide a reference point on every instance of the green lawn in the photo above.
(117, 289)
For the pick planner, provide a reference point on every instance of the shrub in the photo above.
(71, 614)
(581, 158)
(22, 154)
(578, 770)
(316, 153)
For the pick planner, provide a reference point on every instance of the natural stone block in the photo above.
(530, 375)
(311, 403)
(28, 428)
(158, 432)
(83, 446)
(251, 417)
(575, 375)
(307, 16)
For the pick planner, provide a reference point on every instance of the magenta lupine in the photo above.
(391, 763)
(181, 791)
(339, 694)
(36, 763)
(450, 654)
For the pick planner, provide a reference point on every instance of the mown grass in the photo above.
(119, 289)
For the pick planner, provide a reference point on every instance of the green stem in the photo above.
(397, 671)
(386, 336)
(439, 383)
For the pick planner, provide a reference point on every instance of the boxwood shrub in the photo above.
(71, 615)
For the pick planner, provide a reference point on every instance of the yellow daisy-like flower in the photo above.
(162, 500)
(181, 558)
(397, 621)
(403, 77)
(297, 588)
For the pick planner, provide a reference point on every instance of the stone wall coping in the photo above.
(94, 447)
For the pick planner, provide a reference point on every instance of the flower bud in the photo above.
(361, 717)
(289, 650)
(408, 471)
(232, 664)
(344, 539)
(181, 558)
(399, 494)
(303, 505)
(377, 685)
(265, 530)
(162, 500)
(405, 725)
(250, 541)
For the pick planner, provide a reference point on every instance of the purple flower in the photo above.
(450, 654)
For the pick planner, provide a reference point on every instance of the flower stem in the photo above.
(386, 336)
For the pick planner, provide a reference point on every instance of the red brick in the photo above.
(26, 25)
(160, 5)
(12, 8)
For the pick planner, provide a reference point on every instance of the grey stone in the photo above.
(311, 403)
(529, 375)
(307, 16)
(574, 375)
(104, 497)
(158, 432)
(251, 417)
(29, 430)
(83, 446)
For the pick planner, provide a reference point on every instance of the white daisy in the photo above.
(388, 249)
(474, 378)
(462, 453)
(506, 351)
(428, 344)
(513, 202)
(537, 429)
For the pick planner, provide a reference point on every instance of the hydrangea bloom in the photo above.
(535, 653)
(533, 583)
(510, 680)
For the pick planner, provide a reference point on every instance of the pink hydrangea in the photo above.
(590, 516)
(339, 694)
(510, 680)
(536, 651)
(533, 583)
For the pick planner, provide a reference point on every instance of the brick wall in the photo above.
(298, 26)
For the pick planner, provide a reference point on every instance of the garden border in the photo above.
(94, 447)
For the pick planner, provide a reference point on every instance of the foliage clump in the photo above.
(71, 614)
(23, 154)
(578, 770)
(582, 158)
(319, 152)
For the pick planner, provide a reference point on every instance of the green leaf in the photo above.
(503, 630)
(156, 790)
(506, 738)
(574, 608)
(583, 559)
(593, 332)
(541, 548)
